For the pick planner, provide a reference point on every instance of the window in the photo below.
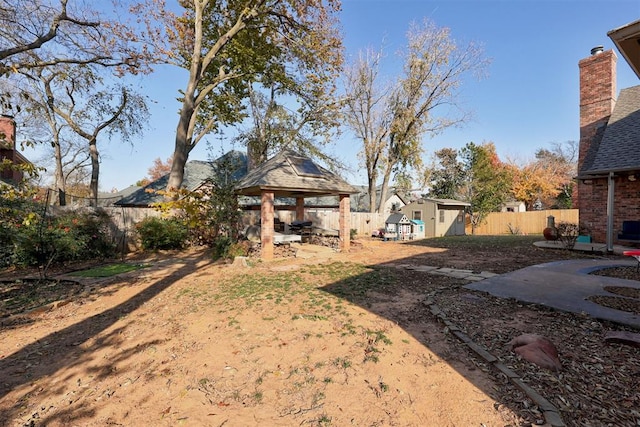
(417, 215)
(441, 215)
(460, 217)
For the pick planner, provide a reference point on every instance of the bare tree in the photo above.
(59, 33)
(91, 108)
(367, 114)
(275, 126)
(424, 101)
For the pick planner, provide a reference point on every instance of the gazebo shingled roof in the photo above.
(290, 174)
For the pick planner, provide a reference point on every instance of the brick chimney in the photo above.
(597, 97)
(7, 132)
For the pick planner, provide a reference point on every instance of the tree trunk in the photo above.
(373, 207)
(384, 189)
(95, 171)
(60, 181)
(182, 146)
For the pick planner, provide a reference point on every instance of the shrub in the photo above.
(67, 237)
(212, 212)
(160, 233)
(513, 229)
(568, 234)
(353, 233)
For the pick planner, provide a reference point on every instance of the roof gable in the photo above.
(439, 202)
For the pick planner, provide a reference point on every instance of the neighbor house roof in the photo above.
(360, 202)
(619, 148)
(627, 40)
(290, 174)
(108, 199)
(196, 173)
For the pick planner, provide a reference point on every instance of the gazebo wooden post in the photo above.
(266, 228)
(345, 223)
(300, 208)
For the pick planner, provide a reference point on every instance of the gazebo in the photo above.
(290, 174)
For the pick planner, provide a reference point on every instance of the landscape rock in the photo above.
(537, 349)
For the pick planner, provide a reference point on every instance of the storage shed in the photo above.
(441, 217)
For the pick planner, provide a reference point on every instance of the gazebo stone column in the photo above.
(345, 223)
(266, 228)
(300, 208)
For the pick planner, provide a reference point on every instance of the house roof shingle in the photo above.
(619, 149)
(290, 174)
(196, 173)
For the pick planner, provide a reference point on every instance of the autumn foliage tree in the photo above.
(487, 180)
(548, 179)
(156, 171)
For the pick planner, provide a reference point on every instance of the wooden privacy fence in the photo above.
(123, 221)
(125, 218)
(533, 222)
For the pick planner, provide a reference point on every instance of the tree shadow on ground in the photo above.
(73, 345)
(402, 297)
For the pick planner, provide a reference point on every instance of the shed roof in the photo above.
(291, 174)
(444, 202)
(450, 202)
(619, 149)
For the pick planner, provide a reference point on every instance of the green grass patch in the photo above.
(109, 270)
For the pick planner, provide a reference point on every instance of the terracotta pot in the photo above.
(550, 233)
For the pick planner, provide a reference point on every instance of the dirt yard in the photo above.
(332, 340)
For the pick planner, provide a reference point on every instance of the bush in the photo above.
(57, 239)
(353, 233)
(568, 234)
(160, 233)
(513, 229)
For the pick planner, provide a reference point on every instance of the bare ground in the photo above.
(345, 340)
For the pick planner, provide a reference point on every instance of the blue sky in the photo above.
(528, 100)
